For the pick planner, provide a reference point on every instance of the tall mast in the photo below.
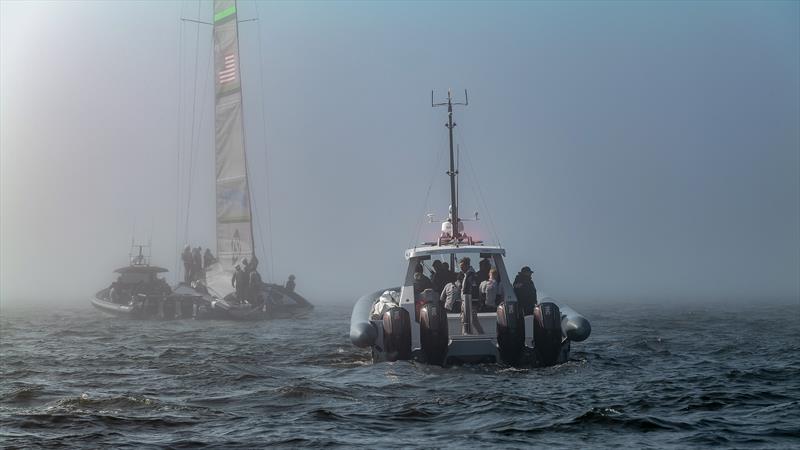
(452, 173)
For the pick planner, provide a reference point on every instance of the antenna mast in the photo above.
(452, 173)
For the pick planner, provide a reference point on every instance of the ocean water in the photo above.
(649, 376)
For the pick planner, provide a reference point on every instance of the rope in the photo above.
(435, 169)
(266, 149)
(194, 115)
(196, 136)
(179, 143)
(476, 184)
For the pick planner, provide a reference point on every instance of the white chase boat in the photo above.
(139, 293)
(234, 216)
(404, 323)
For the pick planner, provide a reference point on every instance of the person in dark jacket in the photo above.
(240, 281)
(254, 286)
(197, 264)
(290, 285)
(525, 290)
(440, 277)
(421, 282)
(186, 256)
(208, 259)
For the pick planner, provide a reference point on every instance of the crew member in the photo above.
(290, 285)
(470, 292)
(240, 282)
(492, 291)
(186, 256)
(525, 290)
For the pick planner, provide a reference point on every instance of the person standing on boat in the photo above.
(492, 290)
(254, 283)
(450, 276)
(439, 278)
(290, 285)
(470, 292)
(208, 258)
(451, 296)
(525, 290)
(197, 264)
(186, 256)
(240, 281)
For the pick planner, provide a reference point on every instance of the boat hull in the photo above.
(281, 304)
(161, 307)
(482, 348)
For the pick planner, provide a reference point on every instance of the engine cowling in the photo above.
(397, 334)
(433, 332)
(547, 335)
(510, 332)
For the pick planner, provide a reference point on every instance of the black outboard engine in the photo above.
(397, 334)
(510, 331)
(433, 332)
(547, 333)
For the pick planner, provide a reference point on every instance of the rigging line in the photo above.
(194, 115)
(179, 142)
(196, 143)
(252, 198)
(482, 199)
(420, 221)
(266, 148)
(255, 210)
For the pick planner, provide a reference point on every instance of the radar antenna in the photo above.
(453, 172)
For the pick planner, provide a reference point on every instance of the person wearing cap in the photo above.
(525, 290)
(290, 285)
(470, 292)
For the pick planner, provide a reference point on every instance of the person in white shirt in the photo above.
(492, 290)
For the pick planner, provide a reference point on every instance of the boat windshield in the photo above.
(480, 262)
(133, 278)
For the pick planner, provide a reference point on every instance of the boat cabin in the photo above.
(451, 254)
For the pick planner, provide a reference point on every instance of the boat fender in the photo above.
(547, 337)
(397, 334)
(575, 326)
(510, 332)
(433, 332)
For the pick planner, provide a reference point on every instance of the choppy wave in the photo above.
(647, 377)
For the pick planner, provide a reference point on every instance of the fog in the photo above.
(645, 151)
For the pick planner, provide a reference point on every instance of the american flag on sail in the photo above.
(228, 72)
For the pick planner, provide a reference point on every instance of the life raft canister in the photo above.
(510, 331)
(547, 336)
(397, 334)
(433, 332)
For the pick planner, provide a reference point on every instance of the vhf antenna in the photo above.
(453, 172)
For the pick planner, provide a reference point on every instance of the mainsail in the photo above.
(234, 226)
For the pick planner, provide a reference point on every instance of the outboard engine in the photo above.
(433, 332)
(547, 333)
(397, 334)
(510, 331)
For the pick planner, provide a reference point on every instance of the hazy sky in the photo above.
(635, 150)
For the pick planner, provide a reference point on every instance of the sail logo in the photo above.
(228, 72)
